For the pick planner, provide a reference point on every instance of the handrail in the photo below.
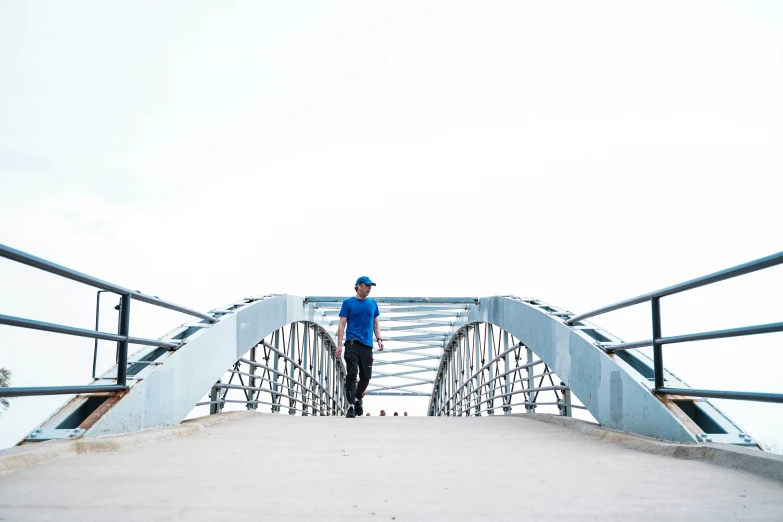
(80, 332)
(703, 336)
(122, 337)
(658, 340)
(746, 268)
(29, 391)
(68, 273)
(720, 394)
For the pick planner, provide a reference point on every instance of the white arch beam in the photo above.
(614, 392)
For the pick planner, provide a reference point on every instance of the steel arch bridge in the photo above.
(470, 356)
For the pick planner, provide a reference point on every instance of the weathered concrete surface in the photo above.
(29, 455)
(734, 457)
(393, 468)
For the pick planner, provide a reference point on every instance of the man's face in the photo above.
(364, 290)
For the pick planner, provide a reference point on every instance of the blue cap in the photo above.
(366, 280)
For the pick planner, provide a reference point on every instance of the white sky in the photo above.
(578, 153)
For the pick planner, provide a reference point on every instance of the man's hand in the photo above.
(338, 352)
(380, 346)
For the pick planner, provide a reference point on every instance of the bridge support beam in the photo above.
(163, 394)
(614, 393)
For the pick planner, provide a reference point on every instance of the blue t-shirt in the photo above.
(361, 314)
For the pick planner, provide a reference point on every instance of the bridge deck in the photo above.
(393, 468)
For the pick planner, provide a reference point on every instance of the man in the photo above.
(406, 413)
(396, 414)
(383, 413)
(360, 315)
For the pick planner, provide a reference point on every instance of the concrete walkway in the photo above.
(276, 467)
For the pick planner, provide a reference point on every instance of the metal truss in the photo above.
(294, 369)
(165, 384)
(414, 331)
(487, 369)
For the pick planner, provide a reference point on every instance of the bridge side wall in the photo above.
(604, 385)
(166, 395)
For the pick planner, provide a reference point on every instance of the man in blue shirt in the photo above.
(360, 314)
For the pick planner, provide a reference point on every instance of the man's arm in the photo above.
(378, 334)
(340, 332)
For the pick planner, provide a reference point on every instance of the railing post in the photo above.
(305, 350)
(122, 346)
(507, 393)
(328, 377)
(213, 398)
(461, 350)
(531, 382)
(656, 334)
(276, 357)
(319, 356)
(492, 365)
(97, 323)
(477, 362)
(566, 401)
(251, 394)
(292, 344)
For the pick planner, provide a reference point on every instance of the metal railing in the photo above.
(122, 337)
(484, 371)
(658, 341)
(303, 372)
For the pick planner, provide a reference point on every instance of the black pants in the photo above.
(358, 359)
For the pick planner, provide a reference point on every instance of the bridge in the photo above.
(499, 360)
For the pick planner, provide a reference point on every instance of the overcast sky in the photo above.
(576, 152)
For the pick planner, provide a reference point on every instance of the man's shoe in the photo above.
(351, 414)
(358, 407)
